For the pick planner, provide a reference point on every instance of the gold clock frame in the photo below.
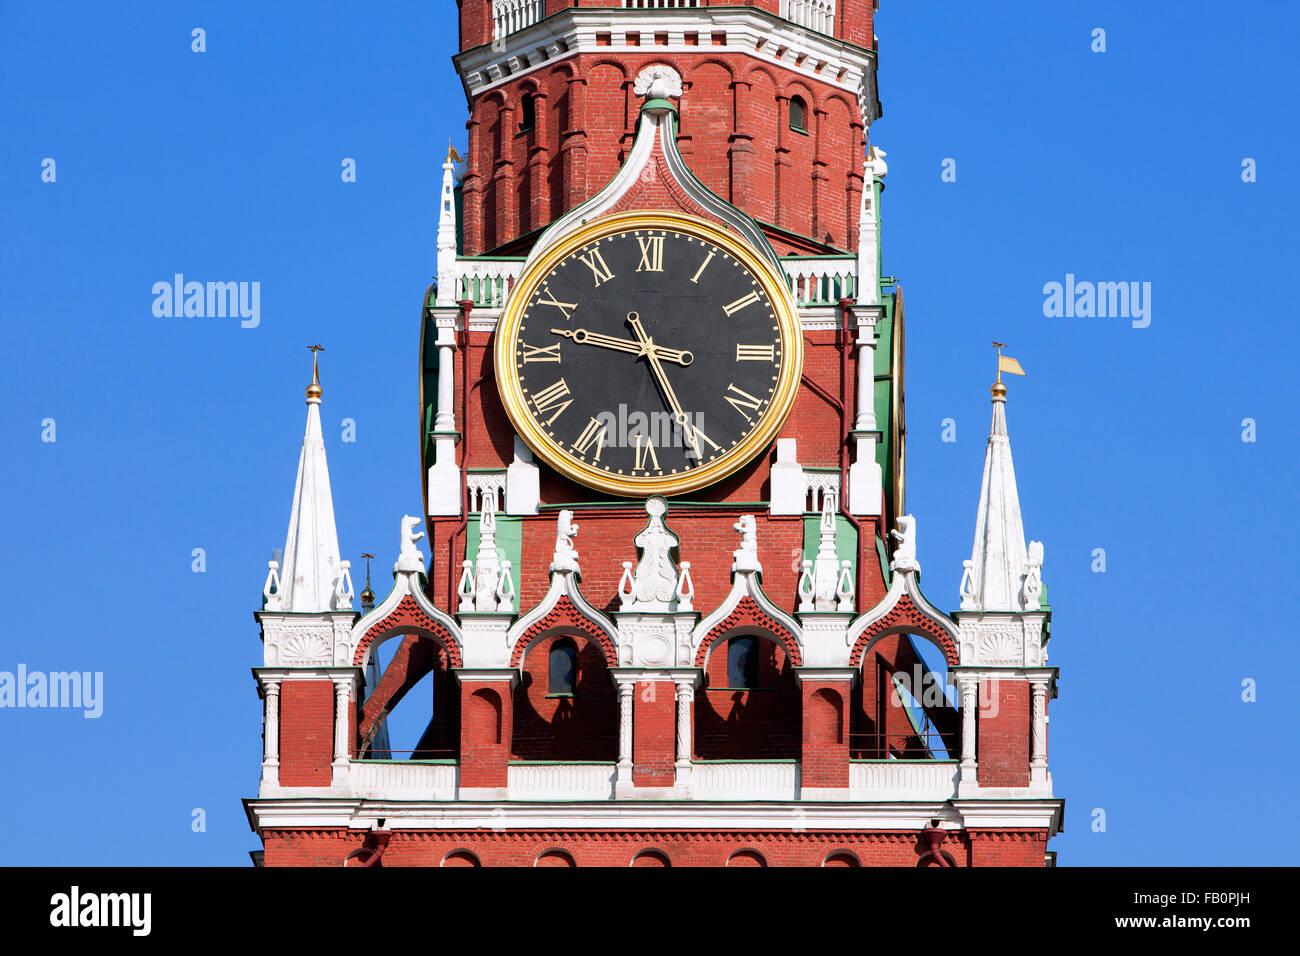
(550, 451)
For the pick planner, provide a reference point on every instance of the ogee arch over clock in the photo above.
(649, 353)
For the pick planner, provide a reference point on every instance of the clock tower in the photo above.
(673, 612)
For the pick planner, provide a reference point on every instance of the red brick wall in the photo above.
(1002, 750)
(734, 134)
(485, 726)
(582, 727)
(738, 724)
(306, 732)
(677, 847)
(824, 761)
(654, 733)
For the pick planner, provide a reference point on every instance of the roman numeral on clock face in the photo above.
(652, 254)
(700, 271)
(740, 303)
(646, 453)
(552, 397)
(591, 439)
(753, 353)
(548, 298)
(741, 400)
(600, 270)
(541, 353)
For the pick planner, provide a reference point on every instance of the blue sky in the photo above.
(176, 434)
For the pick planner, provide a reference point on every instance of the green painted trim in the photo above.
(846, 539)
(491, 258)
(883, 555)
(500, 470)
(510, 544)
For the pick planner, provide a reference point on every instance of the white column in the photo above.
(341, 695)
(626, 687)
(685, 695)
(1038, 740)
(969, 688)
(271, 731)
(866, 417)
(445, 419)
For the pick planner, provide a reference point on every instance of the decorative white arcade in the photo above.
(816, 15)
(510, 16)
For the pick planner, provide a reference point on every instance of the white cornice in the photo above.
(1042, 814)
(750, 32)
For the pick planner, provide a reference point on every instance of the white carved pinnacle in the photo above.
(271, 589)
(844, 590)
(653, 585)
(685, 588)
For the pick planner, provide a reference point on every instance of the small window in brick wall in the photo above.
(742, 662)
(563, 669)
(527, 112)
(798, 115)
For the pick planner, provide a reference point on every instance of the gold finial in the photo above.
(314, 390)
(452, 155)
(368, 596)
(1005, 364)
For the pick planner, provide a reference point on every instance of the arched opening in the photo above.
(841, 858)
(555, 858)
(527, 112)
(798, 114)
(460, 858)
(565, 704)
(412, 705)
(651, 858)
(484, 713)
(749, 706)
(746, 858)
(903, 708)
(825, 716)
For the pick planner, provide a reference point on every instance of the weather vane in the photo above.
(1006, 363)
(315, 370)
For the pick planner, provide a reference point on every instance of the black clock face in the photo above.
(648, 353)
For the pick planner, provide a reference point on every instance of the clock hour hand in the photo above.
(680, 418)
(583, 337)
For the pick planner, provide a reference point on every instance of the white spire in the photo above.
(994, 576)
(447, 292)
(313, 577)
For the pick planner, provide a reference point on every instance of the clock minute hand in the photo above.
(679, 416)
(583, 337)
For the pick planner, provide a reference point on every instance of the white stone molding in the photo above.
(403, 780)
(549, 781)
(658, 81)
(747, 811)
(904, 582)
(823, 635)
(818, 56)
(523, 482)
(304, 640)
(746, 781)
(789, 491)
(1004, 639)
(406, 583)
(818, 486)
(903, 780)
